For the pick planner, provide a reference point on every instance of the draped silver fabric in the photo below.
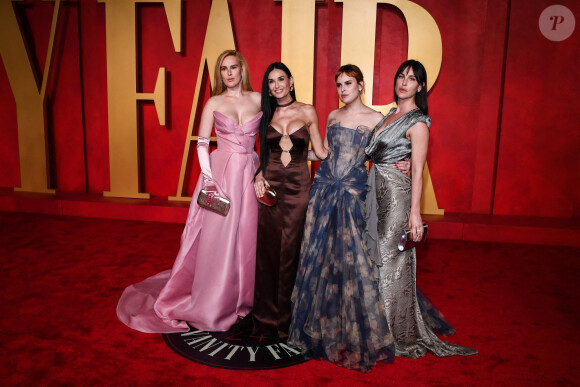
(392, 144)
(388, 208)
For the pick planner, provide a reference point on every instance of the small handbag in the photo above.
(406, 242)
(213, 201)
(270, 197)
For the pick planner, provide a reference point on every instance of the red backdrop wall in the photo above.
(504, 138)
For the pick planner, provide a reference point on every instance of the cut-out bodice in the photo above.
(290, 148)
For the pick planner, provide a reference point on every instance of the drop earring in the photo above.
(292, 87)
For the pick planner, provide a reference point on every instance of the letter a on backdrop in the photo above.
(219, 36)
(298, 25)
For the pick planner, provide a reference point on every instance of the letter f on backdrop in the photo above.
(122, 91)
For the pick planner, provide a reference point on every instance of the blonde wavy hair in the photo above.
(218, 84)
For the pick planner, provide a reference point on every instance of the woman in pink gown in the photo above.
(211, 283)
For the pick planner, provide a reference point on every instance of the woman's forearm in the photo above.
(312, 156)
(416, 191)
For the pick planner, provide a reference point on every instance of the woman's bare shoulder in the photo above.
(332, 116)
(212, 103)
(306, 109)
(256, 96)
(373, 114)
(369, 118)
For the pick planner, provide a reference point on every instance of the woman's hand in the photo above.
(209, 185)
(259, 184)
(404, 165)
(416, 226)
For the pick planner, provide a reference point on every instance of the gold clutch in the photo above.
(213, 201)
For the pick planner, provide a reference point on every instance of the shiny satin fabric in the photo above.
(391, 144)
(212, 280)
(389, 205)
(280, 230)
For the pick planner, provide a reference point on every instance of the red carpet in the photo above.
(61, 278)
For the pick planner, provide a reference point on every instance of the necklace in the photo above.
(287, 104)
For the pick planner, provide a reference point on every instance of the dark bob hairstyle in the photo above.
(421, 76)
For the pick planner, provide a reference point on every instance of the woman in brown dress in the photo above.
(287, 128)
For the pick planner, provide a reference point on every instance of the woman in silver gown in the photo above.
(393, 204)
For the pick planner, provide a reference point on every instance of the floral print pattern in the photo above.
(337, 309)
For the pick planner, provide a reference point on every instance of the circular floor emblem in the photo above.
(233, 349)
(557, 23)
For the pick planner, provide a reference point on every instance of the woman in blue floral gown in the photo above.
(337, 311)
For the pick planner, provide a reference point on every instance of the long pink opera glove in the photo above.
(203, 157)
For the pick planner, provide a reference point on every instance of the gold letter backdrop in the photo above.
(122, 91)
(30, 101)
(358, 46)
(358, 42)
(219, 36)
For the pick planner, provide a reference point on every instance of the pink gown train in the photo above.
(212, 280)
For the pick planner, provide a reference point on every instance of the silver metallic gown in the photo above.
(388, 205)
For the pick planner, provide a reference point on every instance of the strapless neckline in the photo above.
(357, 129)
(258, 115)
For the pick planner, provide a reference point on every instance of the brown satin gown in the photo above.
(280, 230)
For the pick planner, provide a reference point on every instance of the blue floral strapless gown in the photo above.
(337, 310)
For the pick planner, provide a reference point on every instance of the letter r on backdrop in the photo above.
(358, 46)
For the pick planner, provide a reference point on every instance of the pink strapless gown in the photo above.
(212, 280)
